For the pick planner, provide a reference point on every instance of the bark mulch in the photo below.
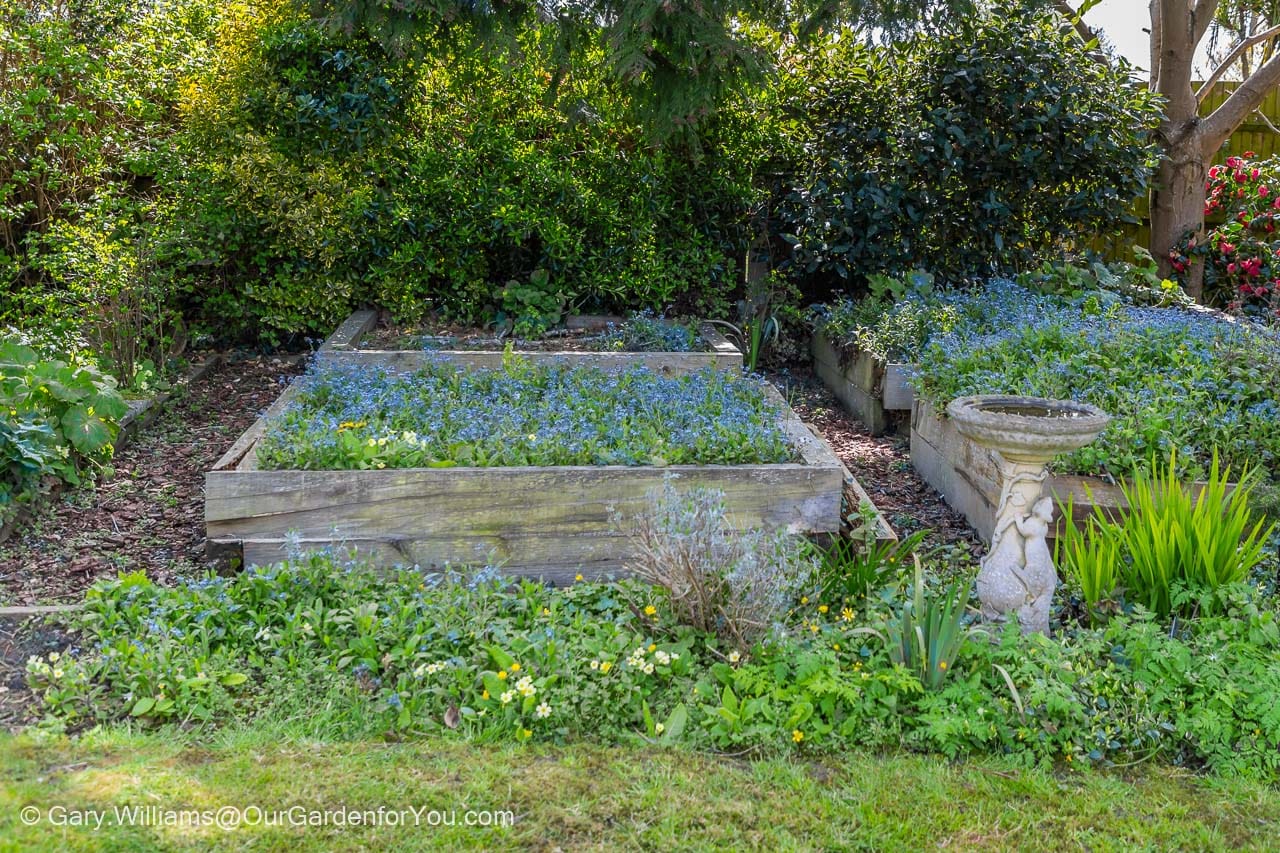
(882, 464)
(148, 515)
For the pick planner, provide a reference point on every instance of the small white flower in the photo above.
(659, 728)
(662, 657)
(508, 696)
(648, 669)
(542, 711)
(734, 657)
(595, 664)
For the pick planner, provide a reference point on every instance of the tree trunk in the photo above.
(1177, 205)
(1177, 198)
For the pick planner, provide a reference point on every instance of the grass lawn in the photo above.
(592, 796)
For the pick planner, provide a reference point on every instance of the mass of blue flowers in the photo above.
(355, 416)
(1171, 379)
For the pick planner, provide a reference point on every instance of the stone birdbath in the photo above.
(1018, 575)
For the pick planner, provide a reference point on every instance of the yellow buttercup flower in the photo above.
(605, 666)
(822, 608)
(502, 674)
(577, 577)
(797, 735)
(650, 610)
(484, 695)
(515, 667)
(653, 647)
(804, 600)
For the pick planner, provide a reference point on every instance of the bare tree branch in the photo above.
(1082, 29)
(1235, 54)
(1202, 19)
(1157, 41)
(1219, 126)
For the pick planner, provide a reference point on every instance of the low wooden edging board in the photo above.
(344, 346)
(867, 386)
(548, 522)
(967, 476)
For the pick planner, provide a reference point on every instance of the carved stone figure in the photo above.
(1017, 575)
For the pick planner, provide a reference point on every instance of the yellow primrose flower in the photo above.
(527, 734)
(515, 667)
(653, 647)
(484, 695)
(735, 656)
(659, 728)
(605, 666)
(650, 610)
(502, 674)
(797, 735)
(577, 577)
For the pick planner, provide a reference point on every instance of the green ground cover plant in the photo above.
(485, 660)
(1172, 380)
(524, 414)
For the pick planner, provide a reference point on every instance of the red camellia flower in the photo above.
(1241, 177)
(1231, 267)
(1254, 174)
(1263, 191)
(1233, 162)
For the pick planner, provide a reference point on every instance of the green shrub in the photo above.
(980, 148)
(1174, 549)
(325, 172)
(86, 113)
(58, 416)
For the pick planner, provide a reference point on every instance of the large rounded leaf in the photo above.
(86, 430)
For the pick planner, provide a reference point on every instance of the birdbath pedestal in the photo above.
(1018, 575)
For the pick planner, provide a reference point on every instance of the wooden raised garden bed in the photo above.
(552, 522)
(967, 476)
(345, 345)
(548, 522)
(879, 393)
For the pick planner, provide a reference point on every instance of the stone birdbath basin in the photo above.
(1018, 575)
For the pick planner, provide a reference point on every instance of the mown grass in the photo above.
(587, 796)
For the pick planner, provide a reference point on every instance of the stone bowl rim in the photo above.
(970, 410)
